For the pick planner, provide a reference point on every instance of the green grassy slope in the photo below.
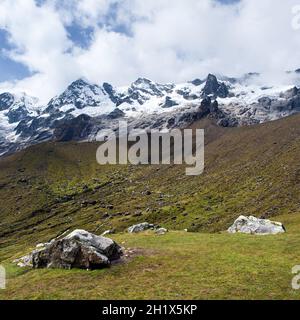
(53, 187)
(179, 265)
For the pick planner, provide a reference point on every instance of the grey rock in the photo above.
(253, 225)
(114, 97)
(73, 129)
(116, 114)
(169, 103)
(197, 82)
(17, 115)
(161, 231)
(25, 261)
(79, 249)
(215, 88)
(6, 101)
(141, 227)
(265, 102)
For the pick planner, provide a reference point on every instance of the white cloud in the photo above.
(85, 12)
(165, 41)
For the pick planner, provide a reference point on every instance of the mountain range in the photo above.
(84, 109)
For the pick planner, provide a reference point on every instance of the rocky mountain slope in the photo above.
(56, 187)
(84, 109)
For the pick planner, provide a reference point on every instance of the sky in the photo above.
(46, 44)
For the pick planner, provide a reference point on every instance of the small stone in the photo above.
(107, 232)
(161, 231)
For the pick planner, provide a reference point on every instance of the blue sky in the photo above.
(45, 44)
(9, 69)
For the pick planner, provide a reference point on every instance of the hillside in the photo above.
(52, 187)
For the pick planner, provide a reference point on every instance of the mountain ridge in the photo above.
(144, 104)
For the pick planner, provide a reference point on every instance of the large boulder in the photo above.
(79, 249)
(252, 225)
(141, 227)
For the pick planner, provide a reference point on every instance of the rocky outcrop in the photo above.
(79, 249)
(197, 82)
(169, 103)
(141, 227)
(74, 129)
(142, 90)
(114, 97)
(252, 225)
(6, 101)
(116, 114)
(215, 88)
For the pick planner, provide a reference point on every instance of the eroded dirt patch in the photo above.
(131, 253)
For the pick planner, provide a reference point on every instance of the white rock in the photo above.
(40, 245)
(107, 232)
(79, 249)
(140, 227)
(101, 243)
(252, 225)
(161, 231)
(25, 261)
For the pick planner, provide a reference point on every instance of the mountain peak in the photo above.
(142, 83)
(214, 87)
(142, 80)
(6, 101)
(79, 94)
(79, 83)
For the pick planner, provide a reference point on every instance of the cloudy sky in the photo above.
(46, 44)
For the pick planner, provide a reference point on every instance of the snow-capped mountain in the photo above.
(83, 109)
(14, 108)
(81, 95)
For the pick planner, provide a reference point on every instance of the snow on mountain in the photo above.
(13, 109)
(84, 108)
(82, 97)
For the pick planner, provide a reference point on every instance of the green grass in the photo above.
(255, 170)
(178, 265)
